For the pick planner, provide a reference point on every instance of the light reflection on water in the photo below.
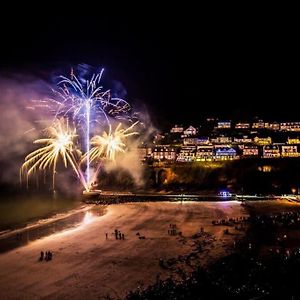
(62, 226)
(19, 211)
(88, 218)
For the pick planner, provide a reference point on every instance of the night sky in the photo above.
(181, 66)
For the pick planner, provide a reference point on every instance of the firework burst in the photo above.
(90, 107)
(87, 103)
(107, 145)
(59, 143)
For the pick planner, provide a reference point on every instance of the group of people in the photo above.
(172, 229)
(118, 235)
(230, 221)
(47, 256)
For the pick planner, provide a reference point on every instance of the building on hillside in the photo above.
(273, 126)
(242, 125)
(245, 139)
(260, 124)
(190, 141)
(289, 151)
(262, 141)
(224, 125)
(221, 139)
(177, 129)
(190, 131)
(204, 153)
(292, 141)
(203, 141)
(290, 126)
(187, 154)
(271, 151)
(250, 151)
(164, 153)
(225, 153)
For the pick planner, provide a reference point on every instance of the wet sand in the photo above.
(87, 266)
(12, 239)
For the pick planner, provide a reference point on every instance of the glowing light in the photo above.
(225, 194)
(84, 101)
(59, 143)
(88, 218)
(87, 103)
(107, 145)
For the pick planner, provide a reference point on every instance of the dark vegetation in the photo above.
(249, 176)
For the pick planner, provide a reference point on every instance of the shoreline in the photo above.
(111, 197)
(15, 238)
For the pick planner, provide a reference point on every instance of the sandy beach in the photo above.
(86, 265)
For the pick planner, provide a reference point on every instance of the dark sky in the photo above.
(183, 66)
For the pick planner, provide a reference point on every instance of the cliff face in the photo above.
(255, 176)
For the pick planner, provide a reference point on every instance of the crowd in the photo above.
(248, 272)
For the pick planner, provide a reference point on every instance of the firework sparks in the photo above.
(86, 102)
(107, 145)
(110, 143)
(59, 143)
(90, 107)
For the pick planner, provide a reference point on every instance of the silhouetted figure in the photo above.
(106, 235)
(120, 235)
(123, 236)
(42, 256)
(116, 233)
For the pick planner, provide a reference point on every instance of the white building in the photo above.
(273, 126)
(271, 151)
(190, 131)
(204, 153)
(187, 154)
(290, 126)
(262, 140)
(221, 140)
(250, 151)
(177, 129)
(225, 153)
(242, 140)
(289, 151)
(224, 125)
(242, 125)
(164, 153)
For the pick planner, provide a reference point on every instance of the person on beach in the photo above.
(42, 256)
(120, 235)
(123, 236)
(106, 235)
